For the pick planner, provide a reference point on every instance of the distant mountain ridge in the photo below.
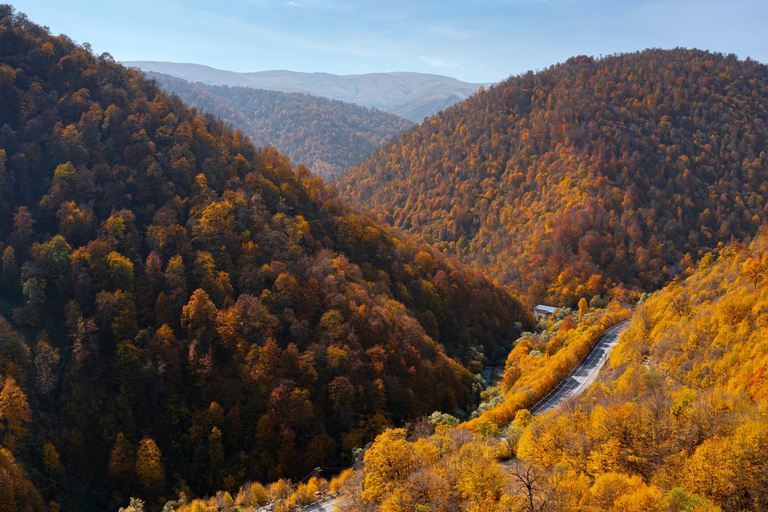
(324, 134)
(410, 95)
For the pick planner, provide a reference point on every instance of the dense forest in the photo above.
(678, 423)
(181, 311)
(326, 135)
(588, 174)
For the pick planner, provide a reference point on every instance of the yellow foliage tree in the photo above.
(583, 308)
(387, 461)
(14, 413)
(149, 468)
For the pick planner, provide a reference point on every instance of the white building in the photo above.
(542, 312)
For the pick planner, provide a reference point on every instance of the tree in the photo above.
(122, 461)
(75, 222)
(531, 481)
(387, 461)
(754, 270)
(522, 418)
(52, 257)
(14, 413)
(679, 500)
(215, 455)
(135, 505)
(487, 429)
(175, 274)
(583, 308)
(22, 230)
(46, 362)
(199, 315)
(3, 176)
(480, 480)
(61, 186)
(10, 269)
(120, 271)
(149, 468)
(7, 492)
(51, 462)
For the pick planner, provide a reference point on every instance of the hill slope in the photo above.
(326, 135)
(586, 174)
(679, 422)
(413, 96)
(182, 311)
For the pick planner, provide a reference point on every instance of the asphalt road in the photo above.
(572, 385)
(585, 372)
(324, 505)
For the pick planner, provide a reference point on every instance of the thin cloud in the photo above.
(438, 63)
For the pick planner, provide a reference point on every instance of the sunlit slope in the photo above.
(588, 174)
(677, 422)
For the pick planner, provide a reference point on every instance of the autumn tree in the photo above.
(583, 308)
(122, 463)
(754, 270)
(51, 462)
(10, 269)
(149, 468)
(14, 413)
(46, 366)
(387, 461)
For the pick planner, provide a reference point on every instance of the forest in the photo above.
(588, 178)
(182, 312)
(190, 322)
(324, 134)
(678, 423)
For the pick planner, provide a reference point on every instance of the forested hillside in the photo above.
(588, 174)
(410, 95)
(181, 311)
(679, 421)
(326, 135)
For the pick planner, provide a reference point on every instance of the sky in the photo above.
(478, 41)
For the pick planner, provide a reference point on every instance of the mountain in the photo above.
(413, 96)
(181, 311)
(676, 422)
(589, 174)
(326, 135)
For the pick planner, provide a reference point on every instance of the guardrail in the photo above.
(554, 390)
(319, 502)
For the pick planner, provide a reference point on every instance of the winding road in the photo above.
(324, 505)
(585, 372)
(572, 385)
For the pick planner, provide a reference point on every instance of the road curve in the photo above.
(585, 372)
(572, 385)
(326, 504)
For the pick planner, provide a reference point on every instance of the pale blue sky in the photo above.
(473, 40)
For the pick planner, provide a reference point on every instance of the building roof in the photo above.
(545, 309)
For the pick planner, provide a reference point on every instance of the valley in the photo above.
(193, 320)
(224, 314)
(325, 135)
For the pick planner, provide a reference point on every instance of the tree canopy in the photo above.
(181, 310)
(586, 175)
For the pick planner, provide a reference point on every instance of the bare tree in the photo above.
(533, 483)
